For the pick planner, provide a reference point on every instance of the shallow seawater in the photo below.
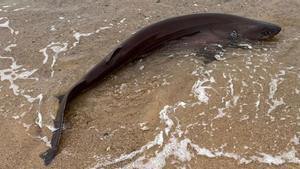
(243, 108)
(168, 110)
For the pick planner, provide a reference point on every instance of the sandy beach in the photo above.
(168, 110)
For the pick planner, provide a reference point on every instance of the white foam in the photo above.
(287, 156)
(18, 72)
(39, 120)
(273, 88)
(219, 57)
(8, 48)
(273, 85)
(19, 116)
(45, 140)
(5, 24)
(52, 28)
(51, 128)
(275, 104)
(203, 151)
(145, 128)
(220, 114)
(122, 20)
(165, 82)
(142, 67)
(20, 9)
(46, 56)
(78, 35)
(14, 73)
(231, 85)
(32, 99)
(248, 46)
(295, 140)
(199, 90)
(16, 117)
(257, 103)
(57, 48)
(163, 115)
(175, 148)
(157, 141)
(103, 28)
(27, 126)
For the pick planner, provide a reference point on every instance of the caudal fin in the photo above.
(48, 155)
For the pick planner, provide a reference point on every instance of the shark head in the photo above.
(239, 28)
(257, 30)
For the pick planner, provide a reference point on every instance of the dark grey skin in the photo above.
(208, 28)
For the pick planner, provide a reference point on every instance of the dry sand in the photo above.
(165, 111)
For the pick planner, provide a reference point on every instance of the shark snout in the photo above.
(275, 30)
(269, 31)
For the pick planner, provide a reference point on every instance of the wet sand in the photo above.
(168, 110)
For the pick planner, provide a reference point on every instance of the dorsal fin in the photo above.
(109, 57)
(60, 98)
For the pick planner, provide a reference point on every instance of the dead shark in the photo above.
(208, 28)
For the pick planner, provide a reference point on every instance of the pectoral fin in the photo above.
(211, 52)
